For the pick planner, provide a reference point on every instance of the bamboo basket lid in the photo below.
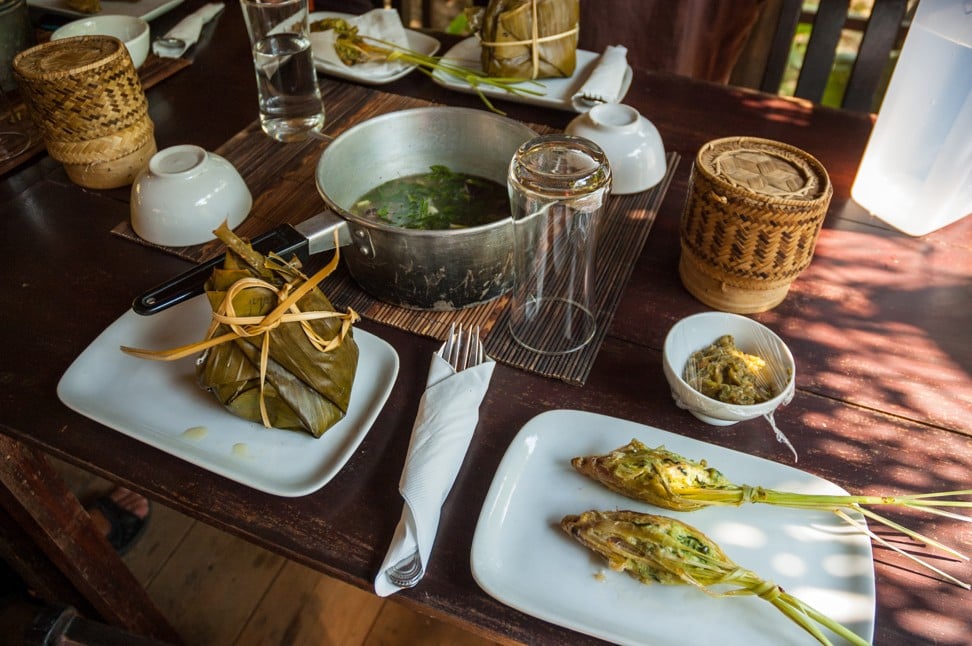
(751, 221)
(766, 170)
(80, 88)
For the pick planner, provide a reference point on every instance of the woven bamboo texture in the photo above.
(750, 223)
(109, 147)
(86, 98)
(112, 173)
(81, 88)
(281, 176)
(153, 71)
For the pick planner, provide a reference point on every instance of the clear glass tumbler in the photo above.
(558, 186)
(14, 128)
(290, 99)
(16, 35)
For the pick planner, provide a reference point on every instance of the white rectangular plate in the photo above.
(522, 557)
(145, 9)
(161, 404)
(417, 42)
(556, 92)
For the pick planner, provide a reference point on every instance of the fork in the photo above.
(462, 349)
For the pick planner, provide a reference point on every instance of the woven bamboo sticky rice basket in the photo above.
(86, 98)
(750, 223)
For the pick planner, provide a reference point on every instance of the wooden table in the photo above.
(879, 325)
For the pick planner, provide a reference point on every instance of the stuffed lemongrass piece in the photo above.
(658, 549)
(353, 48)
(657, 476)
(670, 481)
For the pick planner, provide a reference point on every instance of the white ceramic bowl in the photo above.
(132, 31)
(632, 143)
(698, 331)
(184, 194)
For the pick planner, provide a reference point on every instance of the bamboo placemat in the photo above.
(152, 72)
(281, 178)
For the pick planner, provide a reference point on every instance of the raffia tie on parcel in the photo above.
(535, 39)
(286, 311)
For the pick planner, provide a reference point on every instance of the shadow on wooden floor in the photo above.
(218, 589)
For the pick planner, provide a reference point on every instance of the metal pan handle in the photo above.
(285, 240)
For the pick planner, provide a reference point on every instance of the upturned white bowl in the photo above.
(632, 143)
(698, 331)
(184, 194)
(131, 30)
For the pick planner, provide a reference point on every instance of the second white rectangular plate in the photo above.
(522, 557)
(554, 92)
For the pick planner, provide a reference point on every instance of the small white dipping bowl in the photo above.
(632, 144)
(184, 194)
(132, 31)
(693, 333)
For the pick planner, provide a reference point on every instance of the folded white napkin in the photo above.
(606, 82)
(382, 24)
(187, 31)
(447, 416)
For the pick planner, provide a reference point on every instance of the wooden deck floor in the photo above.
(218, 589)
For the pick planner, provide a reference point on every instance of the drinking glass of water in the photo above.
(290, 100)
(14, 133)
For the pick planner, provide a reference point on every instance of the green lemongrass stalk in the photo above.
(658, 549)
(353, 48)
(863, 527)
(668, 480)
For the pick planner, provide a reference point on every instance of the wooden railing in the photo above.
(764, 64)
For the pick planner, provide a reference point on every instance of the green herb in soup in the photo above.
(440, 199)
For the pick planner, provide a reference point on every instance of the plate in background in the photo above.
(417, 42)
(145, 9)
(556, 92)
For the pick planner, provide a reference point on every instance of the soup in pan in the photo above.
(439, 199)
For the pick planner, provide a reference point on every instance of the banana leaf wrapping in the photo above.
(303, 387)
(530, 39)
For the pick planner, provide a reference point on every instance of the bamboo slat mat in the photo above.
(281, 178)
(152, 72)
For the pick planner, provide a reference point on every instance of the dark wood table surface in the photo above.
(880, 326)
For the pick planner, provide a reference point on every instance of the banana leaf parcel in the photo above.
(276, 351)
(530, 39)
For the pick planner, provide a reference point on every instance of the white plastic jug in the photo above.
(916, 173)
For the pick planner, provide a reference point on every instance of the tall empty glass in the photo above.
(290, 100)
(558, 186)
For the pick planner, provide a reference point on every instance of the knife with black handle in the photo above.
(313, 235)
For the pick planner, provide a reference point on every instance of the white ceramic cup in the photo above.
(632, 143)
(184, 194)
(698, 331)
(131, 30)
